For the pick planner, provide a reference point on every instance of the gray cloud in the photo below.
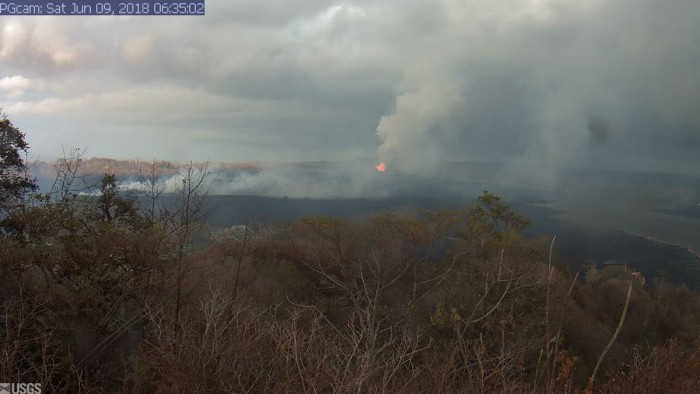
(523, 81)
(541, 84)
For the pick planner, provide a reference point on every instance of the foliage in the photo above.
(112, 292)
(14, 179)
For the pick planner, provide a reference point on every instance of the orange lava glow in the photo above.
(380, 167)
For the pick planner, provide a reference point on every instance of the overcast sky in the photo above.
(543, 83)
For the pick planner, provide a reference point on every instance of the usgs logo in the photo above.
(20, 388)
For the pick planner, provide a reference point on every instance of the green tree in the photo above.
(113, 205)
(15, 181)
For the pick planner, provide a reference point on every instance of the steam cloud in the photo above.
(323, 180)
(540, 85)
(543, 85)
(316, 180)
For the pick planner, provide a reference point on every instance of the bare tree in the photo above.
(634, 276)
(69, 180)
(149, 192)
(237, 245)
(184, 216)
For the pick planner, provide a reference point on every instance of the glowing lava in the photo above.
(380, 167)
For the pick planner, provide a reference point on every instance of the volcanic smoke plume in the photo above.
(547, 85)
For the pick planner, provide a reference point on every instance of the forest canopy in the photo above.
(128, 291)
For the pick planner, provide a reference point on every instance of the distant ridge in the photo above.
(128, 168)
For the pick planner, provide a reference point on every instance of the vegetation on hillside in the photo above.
(121, 292)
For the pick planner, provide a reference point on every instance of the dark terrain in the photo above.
(647, 220)
(580, 245)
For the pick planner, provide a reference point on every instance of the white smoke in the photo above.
(323, 180)
(319, 180)
(521, 81)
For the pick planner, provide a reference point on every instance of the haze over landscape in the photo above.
(538, 84)
(585, 104)
(353, 196)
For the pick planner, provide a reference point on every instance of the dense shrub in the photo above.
(102, 295)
